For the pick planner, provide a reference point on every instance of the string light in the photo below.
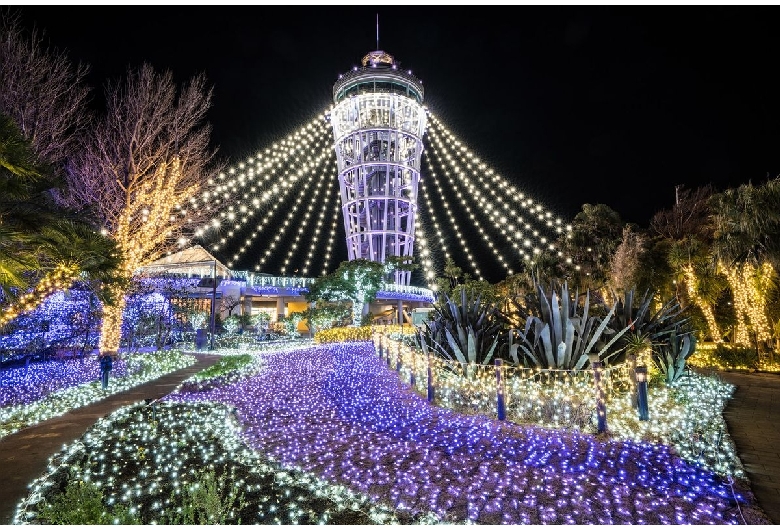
(706, 309)
(28, 401)
(485, 193)
(60, 278)
(336, 411)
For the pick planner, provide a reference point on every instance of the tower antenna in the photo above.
(377, 31)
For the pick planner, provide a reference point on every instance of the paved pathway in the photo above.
(753, 418)
(24, 454)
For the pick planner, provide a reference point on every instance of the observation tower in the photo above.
(378, 124)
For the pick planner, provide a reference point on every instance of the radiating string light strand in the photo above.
(458, 233)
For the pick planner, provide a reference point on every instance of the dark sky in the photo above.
(575, 104)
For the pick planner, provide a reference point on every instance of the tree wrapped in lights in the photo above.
(357, 281)
(687, 229)
(142, 171)
(747, 243)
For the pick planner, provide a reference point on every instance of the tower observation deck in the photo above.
(378, 124)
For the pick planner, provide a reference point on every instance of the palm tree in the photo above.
(747, 243)
(42, 246)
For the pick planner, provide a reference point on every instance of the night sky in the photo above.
(612, 105)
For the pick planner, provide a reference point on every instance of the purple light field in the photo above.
(336, 410)
(22, 385)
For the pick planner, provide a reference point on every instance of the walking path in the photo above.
(752, 416)
(24, 455)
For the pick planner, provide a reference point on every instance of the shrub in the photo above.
(82, 503)
(736, 357)
(232, 324)
(344, 335)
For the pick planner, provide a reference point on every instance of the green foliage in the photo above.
(559, 336)
(736, 357)
(747, 223)
(454, 279)
(209, 500)
(468, 332)
(226, 365)
(82, 503)
(648, 328)
(36, 235)
(670, 356)
(232, 324)
(596, 232)
(198, 319)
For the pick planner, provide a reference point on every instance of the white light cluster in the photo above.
(426, 258)
(145, 367)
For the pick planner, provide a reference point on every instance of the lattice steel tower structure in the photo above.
(378, 125)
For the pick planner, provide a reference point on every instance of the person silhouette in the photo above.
(106, 363)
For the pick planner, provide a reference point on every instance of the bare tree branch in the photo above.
(41, 91)
(143, 169)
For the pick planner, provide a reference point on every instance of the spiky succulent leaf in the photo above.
(455, 347)
(492, 350)
(472, 346)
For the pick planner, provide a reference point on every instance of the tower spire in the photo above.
(377, 31)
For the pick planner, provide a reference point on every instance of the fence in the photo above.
(550, 398)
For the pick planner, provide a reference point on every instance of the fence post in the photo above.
(412, 380)
(601, 406)
(632, 379)
(398, 357)
(641, 381)
(500, 390)
(389, 355)
(430, 378)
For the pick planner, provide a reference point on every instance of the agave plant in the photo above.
(560, 337)
(670, 356)
(648, 329)
(468, 332)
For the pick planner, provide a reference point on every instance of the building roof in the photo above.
(194, 260)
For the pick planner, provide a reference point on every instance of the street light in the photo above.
(212, 282)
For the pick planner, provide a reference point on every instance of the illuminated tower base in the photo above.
(378, 125)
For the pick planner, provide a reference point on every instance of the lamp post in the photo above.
(213, 303)
(601, 406)
(641, 384)
(213, 283)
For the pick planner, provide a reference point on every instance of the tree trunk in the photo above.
(111, 330)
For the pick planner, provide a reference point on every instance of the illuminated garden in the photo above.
(475, 359)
